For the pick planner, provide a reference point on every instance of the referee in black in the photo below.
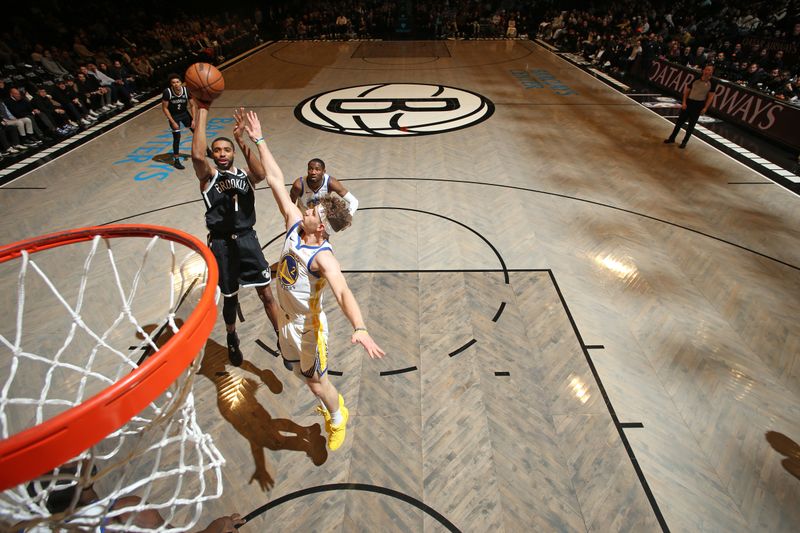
(697, 96)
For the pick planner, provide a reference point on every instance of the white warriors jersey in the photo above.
(309, 197)
(299, 289)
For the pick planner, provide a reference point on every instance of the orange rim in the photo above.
(34, 451)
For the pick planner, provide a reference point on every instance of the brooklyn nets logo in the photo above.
(394, 110)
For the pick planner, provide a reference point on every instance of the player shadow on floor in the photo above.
(169, 158)
(237, 402)
(788, 448)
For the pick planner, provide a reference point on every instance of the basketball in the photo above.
(204, 81)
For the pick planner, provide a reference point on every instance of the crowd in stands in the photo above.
(66, 68)
(55, 81)
(379, 19)
(753, 44)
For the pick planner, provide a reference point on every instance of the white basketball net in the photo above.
(160, 461)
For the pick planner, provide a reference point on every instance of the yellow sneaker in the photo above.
(327, 415)
(336, 433)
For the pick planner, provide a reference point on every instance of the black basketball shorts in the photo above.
(182, 119)
(240, 260)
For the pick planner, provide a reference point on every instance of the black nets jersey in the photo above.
(230, 202)
(178, 104)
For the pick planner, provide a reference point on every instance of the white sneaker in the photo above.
(11, 150)
(119, 104)
(105, 108)
(85, 122)
(93, 114)
(134, 101)
(72, 123)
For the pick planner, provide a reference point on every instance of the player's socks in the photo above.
(321, 409)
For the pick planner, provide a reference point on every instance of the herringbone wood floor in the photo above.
(681, 289)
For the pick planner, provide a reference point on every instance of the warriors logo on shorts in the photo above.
(288, 271)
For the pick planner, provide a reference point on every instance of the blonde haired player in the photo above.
(306, 266)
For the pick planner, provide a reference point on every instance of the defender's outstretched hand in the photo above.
(253, 126)
(360, 336)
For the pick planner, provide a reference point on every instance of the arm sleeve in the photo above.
(352, 203)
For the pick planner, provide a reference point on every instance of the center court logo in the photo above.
(394, 110)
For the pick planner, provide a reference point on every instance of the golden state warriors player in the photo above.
(316, 184)
(307, 265)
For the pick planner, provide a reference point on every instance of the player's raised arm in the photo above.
(192, 110)
(274, 175)
(201, 166)
(329, 268)
(256, 169)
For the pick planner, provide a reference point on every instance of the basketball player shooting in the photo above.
(307, 264)
(229, 195)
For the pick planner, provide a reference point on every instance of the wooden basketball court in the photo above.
(585, 329)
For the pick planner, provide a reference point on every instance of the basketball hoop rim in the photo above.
(37, 450)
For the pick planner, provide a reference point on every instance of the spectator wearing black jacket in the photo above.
(123, 77)
(44, 103)
(68, 97)
(23, 125)
(788, 93)
(754, 77)
(19, 106)
(88, 84)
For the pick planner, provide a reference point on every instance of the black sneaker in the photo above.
(668, 141)
(234, 353)
(177, 164)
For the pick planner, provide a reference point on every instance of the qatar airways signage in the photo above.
(759, 112)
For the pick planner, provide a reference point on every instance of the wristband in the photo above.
(259, 140)
(360, 329)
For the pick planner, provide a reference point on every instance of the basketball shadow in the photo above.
(237, 402)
